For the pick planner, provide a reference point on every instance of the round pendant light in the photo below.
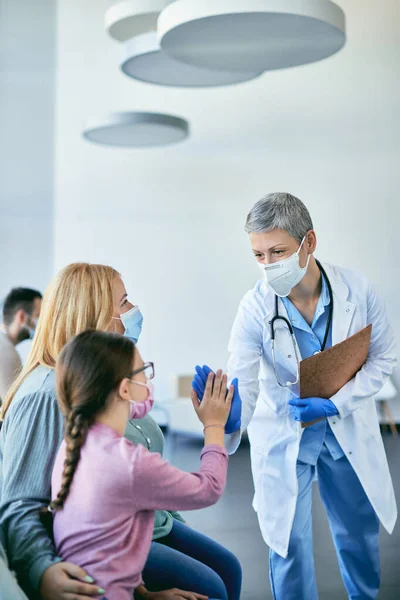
(144, 60)
(256, 35)
(136, 129)
(133, 17)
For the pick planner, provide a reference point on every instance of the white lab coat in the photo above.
(273, 433)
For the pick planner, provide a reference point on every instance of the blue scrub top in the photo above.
(310, 340)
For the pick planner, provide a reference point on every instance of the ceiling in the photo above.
(348, 101)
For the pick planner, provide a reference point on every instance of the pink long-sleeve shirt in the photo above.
(106, 523)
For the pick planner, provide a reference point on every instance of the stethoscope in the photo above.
(289, 325)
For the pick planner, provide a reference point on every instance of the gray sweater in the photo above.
(29, 440)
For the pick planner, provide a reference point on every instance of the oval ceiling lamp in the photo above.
(133, 17)
(144, 60)
(255, 35)
(136, 129)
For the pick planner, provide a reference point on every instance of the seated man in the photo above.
(21, 311)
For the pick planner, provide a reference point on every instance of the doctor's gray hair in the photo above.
(280, 211)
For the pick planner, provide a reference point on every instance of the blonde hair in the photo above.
(80, 297)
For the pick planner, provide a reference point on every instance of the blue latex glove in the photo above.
(199, 385)
(311, 409)
(200, 380)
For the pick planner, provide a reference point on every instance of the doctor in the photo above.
(320, 305)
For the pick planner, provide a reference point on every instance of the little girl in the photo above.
(105, 489)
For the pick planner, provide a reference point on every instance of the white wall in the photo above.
(171, 220)
(27, 98)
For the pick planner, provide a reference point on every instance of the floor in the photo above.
(233, 523)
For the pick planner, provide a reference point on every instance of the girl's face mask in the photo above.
(141, 409)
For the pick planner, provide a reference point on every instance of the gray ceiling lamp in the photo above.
(124, 20)
(134, 22)
(136, 129)
(145, 61)
(256, 35)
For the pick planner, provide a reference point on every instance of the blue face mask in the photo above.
(133, 323)
(31, 330)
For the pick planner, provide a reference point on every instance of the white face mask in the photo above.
(284, 275)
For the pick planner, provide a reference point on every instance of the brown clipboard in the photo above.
(324, 374)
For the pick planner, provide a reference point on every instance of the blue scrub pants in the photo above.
(355, 531)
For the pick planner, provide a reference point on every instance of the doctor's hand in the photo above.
(235, 416)
(311, 409)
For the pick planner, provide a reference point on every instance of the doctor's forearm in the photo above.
(366, 384)
(232, 440)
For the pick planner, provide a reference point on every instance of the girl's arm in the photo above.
(156, 483)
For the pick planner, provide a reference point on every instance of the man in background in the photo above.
(21, 311)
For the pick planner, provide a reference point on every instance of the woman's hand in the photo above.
(216, 404)
(64, 581)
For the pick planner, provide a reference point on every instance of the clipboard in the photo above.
(324, 374)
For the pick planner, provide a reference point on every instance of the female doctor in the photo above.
(301, 307)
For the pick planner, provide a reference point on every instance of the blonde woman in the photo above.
(83, 296)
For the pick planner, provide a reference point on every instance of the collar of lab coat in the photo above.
(343, 309)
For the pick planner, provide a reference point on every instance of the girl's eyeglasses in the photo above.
(147, 369)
